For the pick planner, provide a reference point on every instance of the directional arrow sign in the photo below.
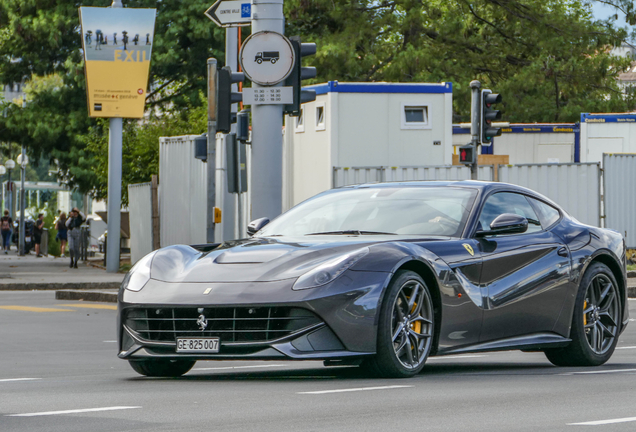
(230, 13)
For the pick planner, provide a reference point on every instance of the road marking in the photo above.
(19, 379)
(34, 309)
(77, 411)
(357, 389)
(92, 306)
(238, 367)
(604, 422)
(600, 372)
(627, 347)
(110, 341)
(455, 357)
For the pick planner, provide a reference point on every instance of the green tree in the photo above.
(550, 59)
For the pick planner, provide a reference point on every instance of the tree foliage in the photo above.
(550, 59)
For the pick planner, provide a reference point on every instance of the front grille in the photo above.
(230, 324)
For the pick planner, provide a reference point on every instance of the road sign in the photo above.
(267, 57)
(230, 13)
(268, 96)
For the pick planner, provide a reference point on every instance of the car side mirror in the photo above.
(256, 225)
(507, 223)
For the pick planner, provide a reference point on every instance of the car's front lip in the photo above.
(347, 307)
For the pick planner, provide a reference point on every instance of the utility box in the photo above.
(607, 133)
(365, 124)
(529, 143)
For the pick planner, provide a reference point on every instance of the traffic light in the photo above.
(467, 154)
(488, 115)
(298, 74)
(225, 97)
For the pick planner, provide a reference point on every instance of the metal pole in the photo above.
(267, 133)
(114, 187)
(10, 199)
(474, 125)
(22, 201)
(211, 160)
(114, 194)
(237, 173)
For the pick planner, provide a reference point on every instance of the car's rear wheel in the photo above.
(405, 328)
(595, 321)
(161, 367)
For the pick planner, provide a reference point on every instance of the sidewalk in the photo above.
(50, 273)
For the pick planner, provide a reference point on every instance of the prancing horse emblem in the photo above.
(469, 248)
(202, 322)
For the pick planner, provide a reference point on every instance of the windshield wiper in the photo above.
(351, 232)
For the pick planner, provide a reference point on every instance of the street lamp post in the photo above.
(23, 160)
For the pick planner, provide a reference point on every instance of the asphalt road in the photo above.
(59, 372)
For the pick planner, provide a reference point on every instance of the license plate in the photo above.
(198, 345)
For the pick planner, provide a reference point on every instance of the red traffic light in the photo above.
(467, 154)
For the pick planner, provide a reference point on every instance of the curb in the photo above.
(631, 292)
(93, 296)
(30, 286)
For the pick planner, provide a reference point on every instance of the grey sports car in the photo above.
(384, 276)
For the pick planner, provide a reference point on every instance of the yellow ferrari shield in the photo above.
(469, 249)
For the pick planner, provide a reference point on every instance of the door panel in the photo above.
(525, 280)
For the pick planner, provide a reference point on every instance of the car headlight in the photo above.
(330, 270)
(139, 274)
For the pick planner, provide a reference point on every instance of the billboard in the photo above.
(117, 45)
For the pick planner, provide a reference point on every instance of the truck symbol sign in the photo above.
(270, 56)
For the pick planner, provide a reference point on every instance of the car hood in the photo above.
(262, 259)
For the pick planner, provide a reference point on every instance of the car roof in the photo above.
(484, 187)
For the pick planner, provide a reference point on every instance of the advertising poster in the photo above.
(117, 46)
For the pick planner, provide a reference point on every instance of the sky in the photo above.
(602, 11)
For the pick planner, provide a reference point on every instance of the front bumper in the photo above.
(338, 320)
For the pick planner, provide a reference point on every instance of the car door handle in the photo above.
(562, 252)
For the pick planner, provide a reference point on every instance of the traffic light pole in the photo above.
(474, 125)
(211, 159)
(267, 123)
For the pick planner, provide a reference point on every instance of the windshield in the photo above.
(439, 211)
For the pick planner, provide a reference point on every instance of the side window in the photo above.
(547, 214)
(508, 202)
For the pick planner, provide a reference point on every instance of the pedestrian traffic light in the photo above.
(467, 154)
(298, 74)
(225, 97)
(488, 114)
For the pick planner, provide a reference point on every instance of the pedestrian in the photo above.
(73, 223)
(62, 233)
(5, 227)
(38, 229)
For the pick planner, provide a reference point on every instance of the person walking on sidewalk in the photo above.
(38, 229)
(5, 228)
(62, 232)
(73, 223)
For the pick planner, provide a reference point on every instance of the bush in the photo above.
(49, 223)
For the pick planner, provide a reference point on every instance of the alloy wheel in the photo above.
(412, 324)
(600, 314)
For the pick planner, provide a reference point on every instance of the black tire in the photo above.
(405, 334)
(595, 321)
(161, 367)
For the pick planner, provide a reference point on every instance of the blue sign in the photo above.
(246, 10)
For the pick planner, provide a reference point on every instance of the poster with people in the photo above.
(117, 44)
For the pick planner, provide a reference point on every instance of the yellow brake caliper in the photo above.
(584, 314)
(417, 326)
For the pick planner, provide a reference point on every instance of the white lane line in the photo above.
(238, 367)
(19, 379)
(357, 389)
(77, 411)
(627, 347)
(604, 422)
(109, 341)
(600, 372)
(455, 357)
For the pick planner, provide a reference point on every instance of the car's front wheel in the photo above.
(405, 328)
(595, 321)
(161, 367)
